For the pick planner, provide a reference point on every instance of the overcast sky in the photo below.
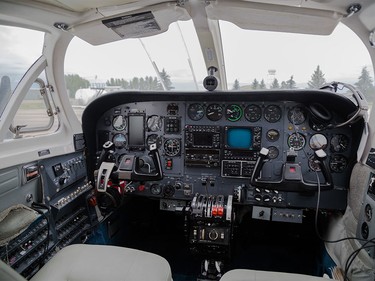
(248, 55)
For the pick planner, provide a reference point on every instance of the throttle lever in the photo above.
(263, 158)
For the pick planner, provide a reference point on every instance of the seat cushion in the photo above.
(101, 263)
(256, 275)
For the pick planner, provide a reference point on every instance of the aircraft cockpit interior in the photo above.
(152, 177)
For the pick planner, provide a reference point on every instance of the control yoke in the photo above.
(292, 179)
(131, 167)
(136, 168)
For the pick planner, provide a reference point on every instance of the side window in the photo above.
(37, 113)
(19, 50)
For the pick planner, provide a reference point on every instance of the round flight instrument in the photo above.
(233, 112)
(119, 123)
(172, 147)
(154, 138)
(195, 111)
(273, 152)
(297, 115)
(253, 113)
(272, 135)
(272, 113)
(154, 123)
(314, 164)
(318, 141)
(172, 109)
(297, 141)
(339, 143)
(214, 112)
(119, 140)
(156, 189)
(338, 163)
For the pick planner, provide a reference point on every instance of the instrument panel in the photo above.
(212, 146)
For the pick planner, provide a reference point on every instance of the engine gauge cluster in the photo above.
(233, 112)
(214, 112)
(272, 113)
(253, 113)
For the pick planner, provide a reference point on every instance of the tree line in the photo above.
(365, 83)
(74, 82)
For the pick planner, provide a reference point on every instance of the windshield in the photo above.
(253, 60)
(272, 60)
(168, 61)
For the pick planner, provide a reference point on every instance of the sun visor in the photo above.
(137, 24)
(270, 17)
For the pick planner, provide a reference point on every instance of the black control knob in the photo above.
(63, 180)
(169, 191)
(213, 235)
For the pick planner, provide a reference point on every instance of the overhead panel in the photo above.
(137, 24)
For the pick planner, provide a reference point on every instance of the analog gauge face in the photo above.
(154, 138)
(119, 140)
(253, 113)
(338, 163)
(154, 123)
(156, 189)
(233, 112)
(272, 113)
(172, 147)
(214, 112)
(273, 135)
(297, 115)
(368, 212)
(318, 141)
(195, 111)
(296, 141)
(172, 109)
(119, 123)
(314, 164)
(339, 143)
(273, 152)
